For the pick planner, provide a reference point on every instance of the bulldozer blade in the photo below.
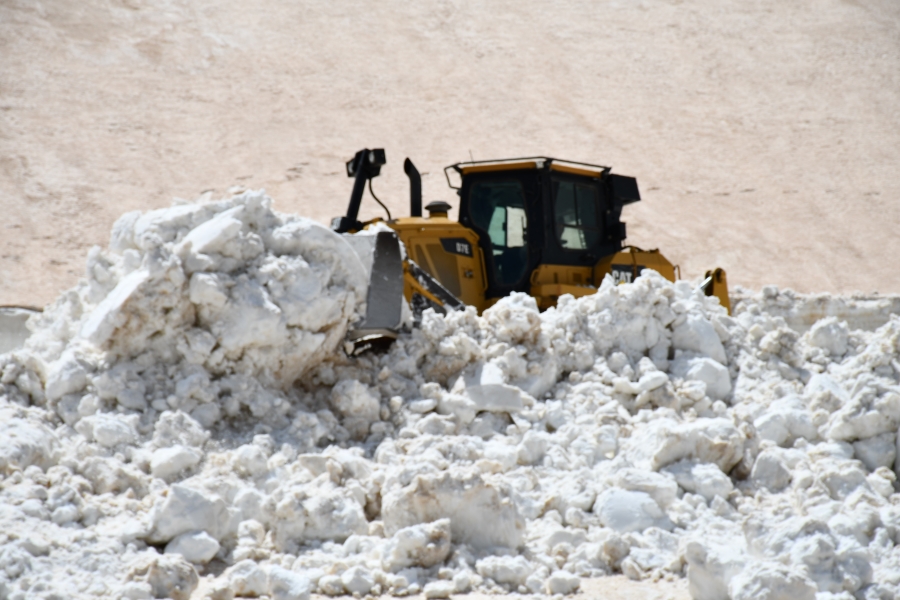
(380, 254)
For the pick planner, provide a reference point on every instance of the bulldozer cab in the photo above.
(541, 211)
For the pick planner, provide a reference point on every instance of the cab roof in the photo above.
(530, 162)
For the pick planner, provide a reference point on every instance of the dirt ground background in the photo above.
(765, 135)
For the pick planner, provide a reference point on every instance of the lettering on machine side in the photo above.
(625, 273)
(459, 246)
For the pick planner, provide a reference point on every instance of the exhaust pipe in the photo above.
(415, 188)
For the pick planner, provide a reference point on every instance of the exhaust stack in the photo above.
(415, 188)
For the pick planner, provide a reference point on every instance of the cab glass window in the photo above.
(575, 214)
(498, 207)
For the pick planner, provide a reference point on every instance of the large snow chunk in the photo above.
(713, 374)
(439, 589)
(333, 516)
(169, 575)
(829, 334)
(250, 460)
(771, 581)
(665, 441)
(249, 318)
(210, 237)
(209, 289)
(786, 420)
(123, 384)
(422, 545)
(532, 447)
(462, 408)
(108, 429)
(107, 316)
(481, 513)
(486, 386)
(185, 509)
(301, 291)
(661, 487)
(177, 428)
(357, 581)
(710, 568)
(195, 546)
(24, 443)
(509, 570)
(65, 376)
(327, 514)
(562, 582)
(821, 384)
(698, 335)
(353, 399)
(288, 585)
(515, 318)
(167, 463)
(323, 248)
(877, 451)
(867, 414)
(357, 404)
(625, 510)
(247, 578)
(770, 471)
(700, 478)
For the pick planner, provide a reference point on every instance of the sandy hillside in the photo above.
(765, 135)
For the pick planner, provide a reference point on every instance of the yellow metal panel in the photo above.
(445, 268)
(498, 167)
(575, 170)
(462, 275)
(549, 282)
(564, 274)
(548, 294)
(630, 262)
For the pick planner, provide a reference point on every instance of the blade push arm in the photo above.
(365, 165)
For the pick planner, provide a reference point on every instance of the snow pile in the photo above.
(185, 424)
(802, 311)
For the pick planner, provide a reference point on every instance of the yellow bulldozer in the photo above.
(538, 225)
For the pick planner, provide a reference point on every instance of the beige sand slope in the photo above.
(765, 134)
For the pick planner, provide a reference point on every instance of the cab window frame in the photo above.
(557, 227)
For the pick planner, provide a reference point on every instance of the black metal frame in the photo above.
(364, 165)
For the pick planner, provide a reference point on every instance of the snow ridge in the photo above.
(185, 423)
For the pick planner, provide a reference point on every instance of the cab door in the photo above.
(497, 208)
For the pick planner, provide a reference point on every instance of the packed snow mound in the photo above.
(185, 424)
(194, 303)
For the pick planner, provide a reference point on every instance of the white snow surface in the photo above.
(185, 423)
